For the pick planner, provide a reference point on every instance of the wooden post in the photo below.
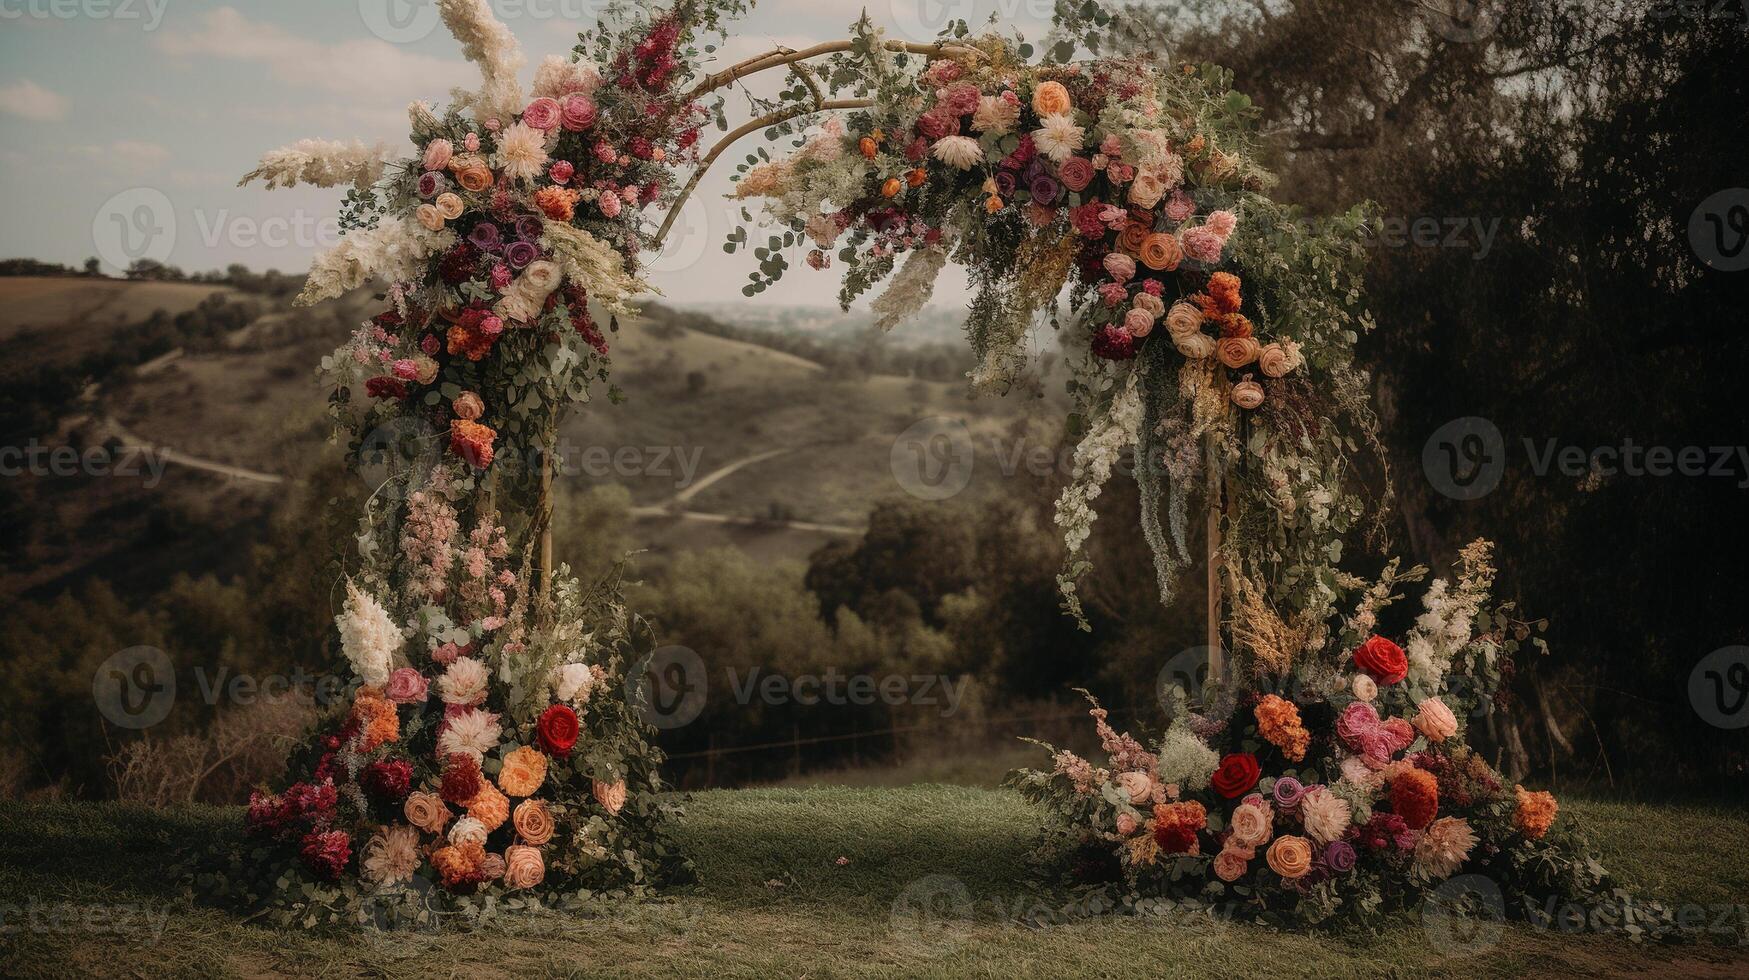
(1217, 661)
(545, 515)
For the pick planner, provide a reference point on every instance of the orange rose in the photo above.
(1133, 237)
(427, 812)
(1160, 252)
(1236, 352)
(916, 177)
(533, 822)
(1051, 99)
(1290, 857)
(892, 187)
(524, 770)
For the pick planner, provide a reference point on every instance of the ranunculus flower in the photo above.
(533, 822)
(1236, 352)
(1356, 720)
(1196, 346)
(542, 114)
(1045, 189)
(557, 730)
(406, 686)
(1137, 784)
(427, 812)
(1290, 857)
(610, 205)
(1147, 190)
(1051, 99)
(486, 237)
(1339, 856)
(1247, 394)
(520, 254)
(1238, 772)
(611, 796)
(1231, 865)
(1252, 824)
(474, 178)
(429, 217)
(1288, 792)
(1183, 320)
(1155, 306)
(431, 184)
(1076, 173)
(523, 867)
(578, 113)
(1139, 323)
(1382, 660)
(1274, 361)
(1121, 267)
(1160, 252)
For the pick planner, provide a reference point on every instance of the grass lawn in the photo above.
(774, 901)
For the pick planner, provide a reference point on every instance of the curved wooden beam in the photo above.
(787, 56)
(767, 120)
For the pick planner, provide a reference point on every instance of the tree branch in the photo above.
(788, 56)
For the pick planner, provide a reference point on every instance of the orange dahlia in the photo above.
(1535, 812)
(1415, 797)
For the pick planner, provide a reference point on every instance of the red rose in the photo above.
(1381, 660)
(557, 729)
(1237, 774)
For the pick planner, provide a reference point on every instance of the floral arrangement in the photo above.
(1337, 785)
(485, 754)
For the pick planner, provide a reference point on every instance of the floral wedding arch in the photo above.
(489, 749)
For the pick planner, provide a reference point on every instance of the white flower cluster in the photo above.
(1447, 627)
(321, 163)
(1095, 457)
(1185, 759)
(369, 637)
(909, 291)
(488, 43)
(593, 264)
(395, 251)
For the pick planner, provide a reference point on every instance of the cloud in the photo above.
(130, 156)
(371, 69)
(30, 100)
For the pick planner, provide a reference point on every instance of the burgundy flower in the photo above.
(327, 853)
(1114, 343)
(388, 779)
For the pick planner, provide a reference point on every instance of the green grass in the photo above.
(774, 901)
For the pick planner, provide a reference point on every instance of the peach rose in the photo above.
(428, 216)
(523, 867)
(1247, 394)
(1196, 346)
(1153, 304)
(1051, 99)
(1290, 857)
(1147, 190)
(1137, 784)
(1275, 361)
(1183, 320)
(1140, 322)
(1236, 352)
(611, 796)
(1161, 253)
(1134, 236)
(1231, 865)
(1435, 720)
(449, 205)
(427, 812)
(524, 771)
(438, 153)
(533, 822)
(1252, 825)
(471, 172)
(468, 406)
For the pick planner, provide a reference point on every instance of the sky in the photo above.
(125, 124)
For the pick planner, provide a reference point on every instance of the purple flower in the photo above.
(529, 228)
(519, 254)
(1288, 791)
(1339, 857)
(485, 236)
(1046, 190)
(1005, 183)
(431, 184)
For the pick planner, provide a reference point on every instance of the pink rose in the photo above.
(562, 172)
(1121, 267)
(1355, 720)
(1126, 824)
(578, 115)
(1401, 732)
(406, 686)
(610, 204)
(1075, 173)
(438, 153)
(1435, 720)
(1231, 865)
(542, 114)
(1112, 146)
(1139, 322)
